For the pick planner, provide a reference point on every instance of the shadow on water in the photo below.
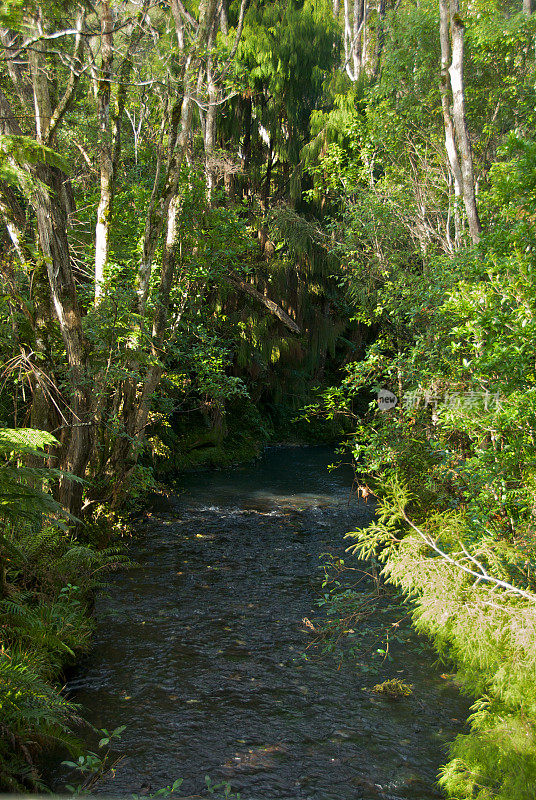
(200, 650)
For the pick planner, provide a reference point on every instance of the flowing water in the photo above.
(202, 653)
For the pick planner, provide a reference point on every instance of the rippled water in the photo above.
(200, 650)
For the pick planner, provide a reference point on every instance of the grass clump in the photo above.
(393, 689)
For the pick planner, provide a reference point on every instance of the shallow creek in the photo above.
(199, 650)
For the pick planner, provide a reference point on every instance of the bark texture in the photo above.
(104, 210)
(457, 142)
(460, 122)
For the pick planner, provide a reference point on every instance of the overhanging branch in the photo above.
(481, 575)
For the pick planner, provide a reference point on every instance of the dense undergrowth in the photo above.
(48, 580)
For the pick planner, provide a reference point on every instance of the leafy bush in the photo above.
(454, 469)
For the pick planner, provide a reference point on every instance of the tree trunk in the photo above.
(363, 37)
(347, 39)
(52, 228)
(527, 7)
(356, 44)
(460, 122)
(224, 17)
(104, 210)
(450, 138)
(268, 177)
(110, 131)
(272, 306)
(51, 212)
(353, 38)
(210, 118)
(38, 68)
(45, 400)
(14, 221)
(457, 142)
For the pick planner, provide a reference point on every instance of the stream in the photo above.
(201, 650)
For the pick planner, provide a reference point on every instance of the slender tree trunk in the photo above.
(38, 67)
(104, 210)
(353, 37)
(210, 118)
(224, 17)
(364, 38)
(356, 43)
(52, 224)
(176, 10)
(347, 40)
(110, 131)
(44, 414)
(460, 122)
(158, 204)
(450, 138)
(268, 177)
(457, 142)
(13, 218)
(527, 7)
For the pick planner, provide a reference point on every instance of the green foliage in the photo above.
(34, 714)
(490, 634)
(93, 767)
(454, 469)
(46, 581)
(18, 154)
(20, 493)
(224, 788)
(453, 465)
(11, 12)
(369, 262)
(286, 51)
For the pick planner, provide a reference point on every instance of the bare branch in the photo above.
(74, 77)
(482, 575)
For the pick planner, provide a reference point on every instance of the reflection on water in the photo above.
(200, 650)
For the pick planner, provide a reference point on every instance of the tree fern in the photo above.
(33, 714)
(46, 577)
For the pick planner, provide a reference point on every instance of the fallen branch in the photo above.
(272, 307)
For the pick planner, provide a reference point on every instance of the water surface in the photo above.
(200, 650)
